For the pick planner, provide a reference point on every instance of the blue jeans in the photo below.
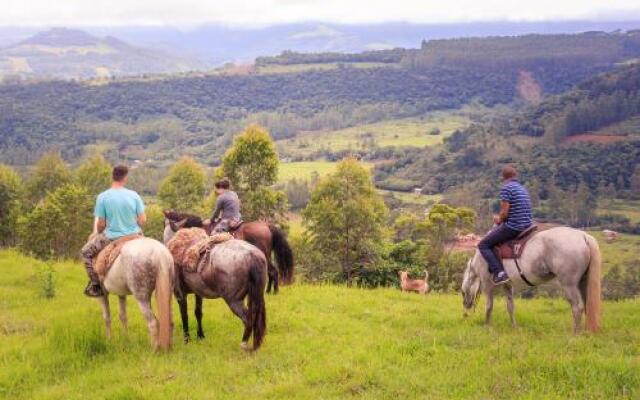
(494, 238)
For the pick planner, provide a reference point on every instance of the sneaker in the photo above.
(93, 290)
(500, 278)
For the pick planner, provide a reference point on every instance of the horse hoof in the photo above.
(186, 339)
(200, 336)
(244, 346)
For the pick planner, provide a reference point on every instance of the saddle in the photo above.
(107, 256)
(189, 246)
(513, 248)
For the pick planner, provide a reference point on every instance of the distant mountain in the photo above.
(216, 44)
(71, 53)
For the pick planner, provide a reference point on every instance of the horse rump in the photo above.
(284, 254)
(257, 310)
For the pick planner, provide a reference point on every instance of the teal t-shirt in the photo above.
(120, 208)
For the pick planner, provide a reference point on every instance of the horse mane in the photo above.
(192, 221)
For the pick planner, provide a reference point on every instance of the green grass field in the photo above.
(628, 208)
(622, 252)
(408, 132)
(306, 169)
(323, 342)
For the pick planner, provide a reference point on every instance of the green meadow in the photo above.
(305, 170)
(408, 132)
(323, 342)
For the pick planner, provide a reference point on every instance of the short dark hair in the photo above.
(119, 172)
(223, 184)
(509, 172)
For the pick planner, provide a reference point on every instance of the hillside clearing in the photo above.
(407, 132)
(323, 342)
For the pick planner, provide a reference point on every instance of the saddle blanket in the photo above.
(107, 256)
(189, 245)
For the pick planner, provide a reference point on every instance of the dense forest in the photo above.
(152, 119)
(527, 51)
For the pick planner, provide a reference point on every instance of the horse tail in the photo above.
(257, 310)
(164, 288)
(592, 289)
(284, 254)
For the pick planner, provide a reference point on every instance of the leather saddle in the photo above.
(513, 248)
(103, 261)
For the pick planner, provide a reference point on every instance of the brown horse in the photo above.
(264, 236)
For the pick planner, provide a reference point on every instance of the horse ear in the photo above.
(176, 226)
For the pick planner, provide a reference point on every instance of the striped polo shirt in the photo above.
(520, 217)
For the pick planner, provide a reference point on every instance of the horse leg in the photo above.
(123, 314)
(510, 305)
(489, 307)
(184, 314)
(106, 315)
(199, 316)
(577, 305)
(241, 312)
(152, 322)
(272, 274)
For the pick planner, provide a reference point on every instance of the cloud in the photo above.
(266, 12)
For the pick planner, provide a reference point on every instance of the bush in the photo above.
(59, 225)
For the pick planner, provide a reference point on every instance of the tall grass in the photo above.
(325, 342)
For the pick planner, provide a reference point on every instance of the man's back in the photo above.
(120, 208)
(229, 203)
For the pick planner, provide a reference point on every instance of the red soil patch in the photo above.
(587, 138)
(528, 87)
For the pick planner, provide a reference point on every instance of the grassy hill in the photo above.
(323, 342)
(73, 54)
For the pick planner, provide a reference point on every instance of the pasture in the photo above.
(322, 342)
(305, 170)
(407, 132)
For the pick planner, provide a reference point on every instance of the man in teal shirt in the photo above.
(119, 212)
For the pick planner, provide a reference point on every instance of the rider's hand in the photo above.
(496, 219)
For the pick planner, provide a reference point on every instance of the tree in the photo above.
(252, 161)
(184, 187)
(154, 228)
(441, 226)
(345, 218)
(50, 172)
(252, 166)
(60, 224)
(10, 204)
(94, 174)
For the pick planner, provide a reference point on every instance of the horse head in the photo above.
(470, 287)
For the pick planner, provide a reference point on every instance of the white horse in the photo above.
(144, 265)
(567, 254)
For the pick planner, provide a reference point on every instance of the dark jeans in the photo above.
(494, 238)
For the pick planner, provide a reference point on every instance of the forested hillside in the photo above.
(543, 141)
(158, 119)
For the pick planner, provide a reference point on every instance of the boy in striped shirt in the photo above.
(515, 217)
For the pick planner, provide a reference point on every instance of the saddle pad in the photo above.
(188, 246)
(105, 259)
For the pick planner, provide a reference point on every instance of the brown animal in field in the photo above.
(417, 285)
(610, 235)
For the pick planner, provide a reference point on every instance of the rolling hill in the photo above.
(71, 54)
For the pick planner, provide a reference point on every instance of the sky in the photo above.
(269, 12)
